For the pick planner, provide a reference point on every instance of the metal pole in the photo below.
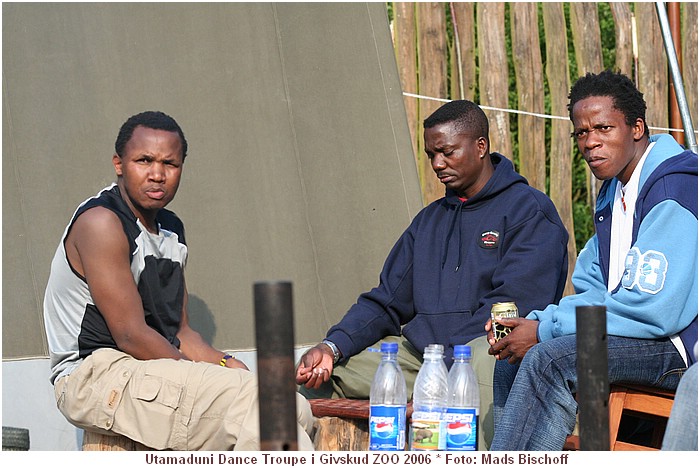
(677, 79)
(592, 375)
(673, 11)
(274, 337)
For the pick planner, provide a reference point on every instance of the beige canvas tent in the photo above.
(300, 164)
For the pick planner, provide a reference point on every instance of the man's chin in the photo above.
(155, 205)
(602, 175)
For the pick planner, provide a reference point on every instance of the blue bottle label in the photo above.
(387, 427)
(462, 426)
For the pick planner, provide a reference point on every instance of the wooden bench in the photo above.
(96, 442)
(648, 403)
(643, 402)
(343, 424)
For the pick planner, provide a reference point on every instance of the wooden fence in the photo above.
(515, 57)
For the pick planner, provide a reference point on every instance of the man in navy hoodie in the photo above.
(492, 238)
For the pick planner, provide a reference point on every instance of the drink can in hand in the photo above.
(502, 310)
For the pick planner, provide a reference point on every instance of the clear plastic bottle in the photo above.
(430, 401)
(462, 417)
(387, 403)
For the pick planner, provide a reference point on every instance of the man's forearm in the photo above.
(147, 344)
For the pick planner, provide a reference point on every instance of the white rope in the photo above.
(534, 114)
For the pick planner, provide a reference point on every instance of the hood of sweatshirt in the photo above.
(504, 176)
(658, 158)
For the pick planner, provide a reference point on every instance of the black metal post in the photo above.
(274, 337)
(592, 373)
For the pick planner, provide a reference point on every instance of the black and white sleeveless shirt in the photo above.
(75, 328)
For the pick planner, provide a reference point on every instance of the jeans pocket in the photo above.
(670, 378)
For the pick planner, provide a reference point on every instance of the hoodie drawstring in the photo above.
(456, 220)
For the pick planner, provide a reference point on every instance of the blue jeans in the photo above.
(682, 430)
(534, 405)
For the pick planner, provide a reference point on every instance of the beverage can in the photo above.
(502, 310)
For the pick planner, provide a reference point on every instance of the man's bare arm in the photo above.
(97, 248)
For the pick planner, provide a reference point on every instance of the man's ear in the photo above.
(638, 129)
(483, 146)
(117, 163)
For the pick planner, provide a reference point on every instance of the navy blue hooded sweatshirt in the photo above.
(456, 259)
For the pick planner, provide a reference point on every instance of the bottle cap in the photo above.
(463, 351)
(434, 348)
(390, 347)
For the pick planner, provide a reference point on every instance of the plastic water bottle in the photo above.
(387, 403)
(430, 401)
(462, 417)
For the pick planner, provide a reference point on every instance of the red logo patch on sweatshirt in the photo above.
(489, 239)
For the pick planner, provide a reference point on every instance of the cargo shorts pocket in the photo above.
(150, 415)
(156, 389)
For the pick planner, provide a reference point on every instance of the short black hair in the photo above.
(625, 95)
(155, 120)
(467, 117)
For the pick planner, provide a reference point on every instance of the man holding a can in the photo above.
(641, 265)
(492, 238)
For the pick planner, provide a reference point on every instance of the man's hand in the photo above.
(513, 347)
(315, 366)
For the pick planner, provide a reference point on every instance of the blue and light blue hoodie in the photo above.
(658, 294)
(506, 243)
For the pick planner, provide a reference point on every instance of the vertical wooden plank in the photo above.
(463, 19)
(405, 48)
(689, 33)
(653, 65)
(432, 81)
(585, 30)
(561, 146)
(529, 80)
(454, 58)
(493, 76)
(622, 15)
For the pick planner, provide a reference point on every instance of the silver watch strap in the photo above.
(334, 348)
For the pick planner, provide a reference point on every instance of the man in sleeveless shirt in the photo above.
(124, 358)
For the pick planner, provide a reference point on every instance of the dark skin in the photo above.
(460, 161)
(611, 148)
(148, 176)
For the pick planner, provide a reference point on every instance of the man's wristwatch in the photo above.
(334, 348)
